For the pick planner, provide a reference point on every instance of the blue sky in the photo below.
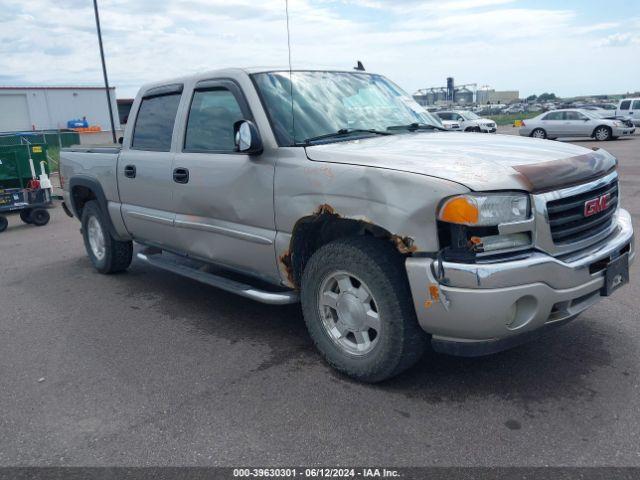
(570, 47)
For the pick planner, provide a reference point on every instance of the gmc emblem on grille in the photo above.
(596, 205)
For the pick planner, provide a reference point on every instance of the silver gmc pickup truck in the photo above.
(335, 189)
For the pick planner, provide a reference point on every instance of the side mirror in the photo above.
(120, 140)
(247, 138)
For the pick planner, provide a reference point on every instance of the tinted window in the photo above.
(154, 124)
(625, 105)
(553, 116)
(211, 119)
(573, 116)
(636, 104)
(444, 116)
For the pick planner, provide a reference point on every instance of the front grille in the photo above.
(566, 215)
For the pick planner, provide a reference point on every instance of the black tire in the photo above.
(117, 254)
(25, 216)
(4, 223)
(540, 131)
(602, 133)
(39, 217)
(401, 341)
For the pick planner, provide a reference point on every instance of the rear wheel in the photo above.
(539, 133)
(25, 215)
(4, 223)
(602, 133)
(107, 254)
(39, 217)
(358, 309)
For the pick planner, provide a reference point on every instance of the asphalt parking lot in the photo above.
(147, 368)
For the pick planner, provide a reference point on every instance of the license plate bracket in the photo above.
(616, 275)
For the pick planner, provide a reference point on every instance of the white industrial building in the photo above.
(45, 108)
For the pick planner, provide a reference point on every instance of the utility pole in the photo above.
(104, 71)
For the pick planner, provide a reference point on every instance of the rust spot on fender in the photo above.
(405, 245)
(285, 262)
(325, 209)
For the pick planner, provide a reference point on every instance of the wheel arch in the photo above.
(593, 133)
(83, 190)
(323, 226)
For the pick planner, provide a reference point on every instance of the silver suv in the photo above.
(336, 189)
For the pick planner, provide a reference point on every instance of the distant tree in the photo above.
(545, 97)
(532, 98)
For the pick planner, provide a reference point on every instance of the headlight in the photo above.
(617, 124)
(485, 209)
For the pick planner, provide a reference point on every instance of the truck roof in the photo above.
(235, 71)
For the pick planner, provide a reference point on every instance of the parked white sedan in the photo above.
(573, 123)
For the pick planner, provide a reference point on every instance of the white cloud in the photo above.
(620, 40)
(417, 43)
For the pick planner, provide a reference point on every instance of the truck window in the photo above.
(636, 105)
(210, 123)
(154, 124)
(625, 104)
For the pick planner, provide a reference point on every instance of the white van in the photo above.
(630, 107)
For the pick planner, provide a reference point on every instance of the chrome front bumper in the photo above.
(477, 307)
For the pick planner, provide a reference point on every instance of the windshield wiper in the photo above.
(412, 127)
(345, 131)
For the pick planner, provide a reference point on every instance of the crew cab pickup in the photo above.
(336, 189)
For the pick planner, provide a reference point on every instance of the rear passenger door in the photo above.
(224, 200)
(144, 169)
(552, 123)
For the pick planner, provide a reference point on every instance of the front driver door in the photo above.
(223, 199)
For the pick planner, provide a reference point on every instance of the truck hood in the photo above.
(477, 161)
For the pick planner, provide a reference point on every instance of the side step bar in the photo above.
(226, 284)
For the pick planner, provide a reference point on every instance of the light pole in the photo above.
(104, 71)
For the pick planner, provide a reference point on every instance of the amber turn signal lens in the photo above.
(461, 210)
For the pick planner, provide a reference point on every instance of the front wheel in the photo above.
(107, 254)
(539, 133)
(602, 133)
(4, 223)
(358, 309)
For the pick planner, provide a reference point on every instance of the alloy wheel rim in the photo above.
(538, 134)
(96, 238)
(602, 134)
(349, 313)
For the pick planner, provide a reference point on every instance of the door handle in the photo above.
(181, 175)
(130, 171)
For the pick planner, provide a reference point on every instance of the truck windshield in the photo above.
(329, 102)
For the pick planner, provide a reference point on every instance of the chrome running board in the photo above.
(226, 284)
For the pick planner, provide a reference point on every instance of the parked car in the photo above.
(630, 107)
(451, 125)
(390, 231)
(573, 123)
(469, 121)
